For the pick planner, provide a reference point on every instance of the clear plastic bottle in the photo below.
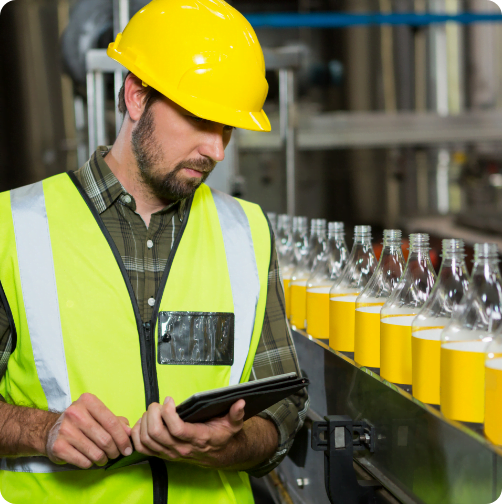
(328, 268)
(283, 239)
(465, 339)
(369, 303)
(302, 272)
(426, 328)
(399, 311)
(297, 248)
(342, 296)
(493, 389)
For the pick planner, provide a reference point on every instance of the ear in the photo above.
(134, 93)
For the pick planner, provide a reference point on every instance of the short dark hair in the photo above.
(151, 96)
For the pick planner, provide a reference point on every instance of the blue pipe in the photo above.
(341, 20)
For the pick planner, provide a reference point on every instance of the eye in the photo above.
(196, 119)
(228, 128)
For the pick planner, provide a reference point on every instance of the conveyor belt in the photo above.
(420, 457)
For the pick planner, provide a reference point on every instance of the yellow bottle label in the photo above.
(286, 282)
(318, 312)
(395, 349)
(426, 352)
(463, 380)
(367, 335)
(298, 295)
(342, 312)
(493, 401)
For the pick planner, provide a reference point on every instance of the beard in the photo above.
(148, 153)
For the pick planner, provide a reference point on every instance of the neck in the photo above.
(122, 163)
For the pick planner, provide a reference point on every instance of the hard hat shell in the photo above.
(203, 55)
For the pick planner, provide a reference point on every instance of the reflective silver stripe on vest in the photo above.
(243, 272)
(41, 465)
(38, 282)
(34, 465)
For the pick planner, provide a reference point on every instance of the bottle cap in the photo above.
(336, 227)
(362, 231)
(419, 240)
(453, 247)
(318, 225)
(392, 235)
(300, 223)
(283, 221)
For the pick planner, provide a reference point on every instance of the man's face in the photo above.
(176, 151)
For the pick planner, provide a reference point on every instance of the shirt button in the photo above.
(149, 243)
(151, 301)
(127, 198)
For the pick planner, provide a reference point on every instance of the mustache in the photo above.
(203, 165)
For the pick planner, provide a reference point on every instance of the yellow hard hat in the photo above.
(203, 55)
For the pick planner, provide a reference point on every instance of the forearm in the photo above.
(255, 443)
(24, 431)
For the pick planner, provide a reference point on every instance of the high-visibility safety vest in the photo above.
(79, 330)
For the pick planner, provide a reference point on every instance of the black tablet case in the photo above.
(202, 407)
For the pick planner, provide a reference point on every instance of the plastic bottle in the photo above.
(283, 239)
(328, 268)
(296, 249)
(302, 272)
(426, 328)
(493, 389)
(342, 296)
(369, 303)
(399, 311)
(465, 339)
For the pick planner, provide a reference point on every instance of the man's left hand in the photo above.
(162, 433)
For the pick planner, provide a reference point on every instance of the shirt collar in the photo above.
(104, 188)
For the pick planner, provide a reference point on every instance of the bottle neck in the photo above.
(485, 267)
(392, 247)
(421, 256)
(362, 240)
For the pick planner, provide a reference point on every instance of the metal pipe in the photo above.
(288, 134)
(339, 20)
(99, 83)
(91, 112)
(120, 19)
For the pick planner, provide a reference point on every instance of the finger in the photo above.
(151, 444)
(145, 437)
(76, 438)
(159, 433)
(184, 431)
(125, 424)
(111, 424)
(65, 453)
(98, 435)
(138, 445)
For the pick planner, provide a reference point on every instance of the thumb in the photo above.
(236, 413)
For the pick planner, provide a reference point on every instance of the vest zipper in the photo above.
(146, 340)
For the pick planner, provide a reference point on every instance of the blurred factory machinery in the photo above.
(390, 123)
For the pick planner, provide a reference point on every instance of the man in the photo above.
(128, 286)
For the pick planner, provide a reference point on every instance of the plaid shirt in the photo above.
(145, 251)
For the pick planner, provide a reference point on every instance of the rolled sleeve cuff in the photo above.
(286, 437)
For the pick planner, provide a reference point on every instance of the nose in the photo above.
(213, 145)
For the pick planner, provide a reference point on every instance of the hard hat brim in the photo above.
(249, 120)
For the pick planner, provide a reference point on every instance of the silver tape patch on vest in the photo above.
(38, 282)
(243, 271)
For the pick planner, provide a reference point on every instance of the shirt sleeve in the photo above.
(5, 335)
(276, 355)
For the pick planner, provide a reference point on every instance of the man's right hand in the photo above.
(88, 433)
